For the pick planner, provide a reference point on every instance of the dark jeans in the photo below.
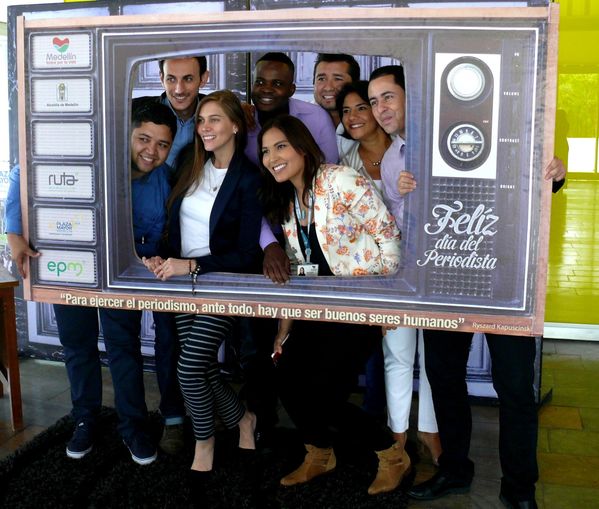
(513, 376)
(121, 329)
(318, 371)
(166, 352)
(78, 333)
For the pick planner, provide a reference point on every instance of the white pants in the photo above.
(399, 347)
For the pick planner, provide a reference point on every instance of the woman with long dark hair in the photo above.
(214, 225)
(335, 224)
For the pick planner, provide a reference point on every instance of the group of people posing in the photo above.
(217, 185)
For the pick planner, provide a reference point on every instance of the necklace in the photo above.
(299, 212)
(376, 164)
(214, 180)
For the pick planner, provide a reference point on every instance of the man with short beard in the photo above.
(272, 89)
(332, 71)
(182, 79)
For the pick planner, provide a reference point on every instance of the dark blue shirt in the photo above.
(148, 196)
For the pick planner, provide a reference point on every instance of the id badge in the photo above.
(307, 269)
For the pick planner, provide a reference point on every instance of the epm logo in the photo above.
(68, 269)
(67, 266)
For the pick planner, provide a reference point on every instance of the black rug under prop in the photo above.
(40, 475)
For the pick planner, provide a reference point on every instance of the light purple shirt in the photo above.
(394, 162)
(318, 122)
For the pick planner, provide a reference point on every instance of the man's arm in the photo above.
(19, 248)
(276, 264)
(556, 172)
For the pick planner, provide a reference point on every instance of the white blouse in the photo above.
(353, 160)
(195, 212)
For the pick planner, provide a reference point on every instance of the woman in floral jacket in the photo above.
(334, 224)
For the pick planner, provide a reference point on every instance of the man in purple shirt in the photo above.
(272, 89)
(446, 352)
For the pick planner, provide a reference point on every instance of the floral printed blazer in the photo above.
(356, 232)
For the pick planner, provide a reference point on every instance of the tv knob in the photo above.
(466, 81)
(465, 142)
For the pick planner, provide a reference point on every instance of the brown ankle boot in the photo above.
(317, 462)
(394, 464)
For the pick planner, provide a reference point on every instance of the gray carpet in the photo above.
(39, 475)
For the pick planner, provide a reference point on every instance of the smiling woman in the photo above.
(334, 224)
(214, 225)
(355, 112)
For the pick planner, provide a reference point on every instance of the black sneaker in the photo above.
(82, 440)
(142, 450)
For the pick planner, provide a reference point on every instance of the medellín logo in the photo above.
(62, 55)
(61, 45)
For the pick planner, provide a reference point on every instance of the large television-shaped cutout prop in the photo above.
(480, 87)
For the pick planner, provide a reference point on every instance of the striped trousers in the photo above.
(204, 391)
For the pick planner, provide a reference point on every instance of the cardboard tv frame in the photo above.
(475, 234)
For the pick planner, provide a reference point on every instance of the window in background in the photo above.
(578, 117)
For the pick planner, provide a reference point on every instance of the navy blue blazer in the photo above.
(235, 222)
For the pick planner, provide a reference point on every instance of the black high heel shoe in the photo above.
(201, 491)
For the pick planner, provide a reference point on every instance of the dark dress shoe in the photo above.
(438, 486)
(511, 502)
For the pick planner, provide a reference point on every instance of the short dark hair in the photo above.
(354, 67)
(155, 112)
(357, 87)
(276, 56)
(201, 60)
(277, 197)
(390, 70)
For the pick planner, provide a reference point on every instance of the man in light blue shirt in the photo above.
(182, 79)
(19, 248)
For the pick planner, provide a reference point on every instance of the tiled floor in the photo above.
(568, 431)
(573, 277)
